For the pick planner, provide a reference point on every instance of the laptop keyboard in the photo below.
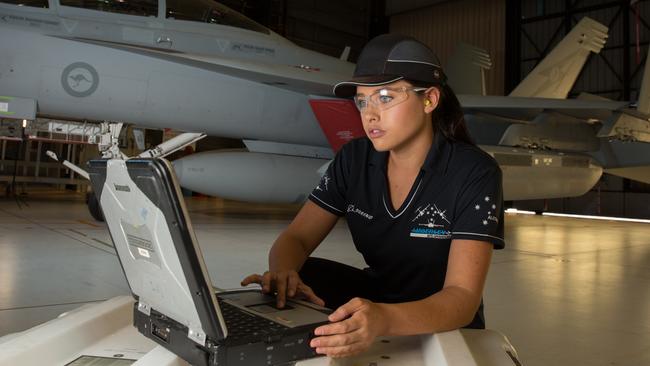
(242, 325)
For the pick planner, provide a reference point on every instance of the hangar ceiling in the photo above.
(400, 6)
(323, 26)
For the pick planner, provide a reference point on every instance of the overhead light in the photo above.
(24, 123)
(644, 221)
(522, 212)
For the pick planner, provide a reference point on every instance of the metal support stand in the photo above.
(10, 191)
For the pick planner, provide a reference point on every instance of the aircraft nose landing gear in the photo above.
(107, 141)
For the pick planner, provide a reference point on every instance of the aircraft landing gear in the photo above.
(94, 207)
(107, 142)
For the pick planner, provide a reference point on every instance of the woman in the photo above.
(423, 204)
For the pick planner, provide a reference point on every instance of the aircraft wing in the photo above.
(307, 79)
(526, 109)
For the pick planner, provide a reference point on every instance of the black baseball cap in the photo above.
(389, 58)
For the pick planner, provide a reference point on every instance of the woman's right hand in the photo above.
(286, 284)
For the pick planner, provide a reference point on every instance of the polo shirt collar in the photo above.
(378, 158)
(437, 158)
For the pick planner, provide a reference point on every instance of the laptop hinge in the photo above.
(144, 308)
(196, 335)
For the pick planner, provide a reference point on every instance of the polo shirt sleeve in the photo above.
(330, 193)
(479, 209)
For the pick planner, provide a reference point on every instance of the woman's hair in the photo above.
(448, 118)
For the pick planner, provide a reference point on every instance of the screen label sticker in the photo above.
(140, 243)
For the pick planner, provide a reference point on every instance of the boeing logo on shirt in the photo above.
(353, 209)
(431, 222)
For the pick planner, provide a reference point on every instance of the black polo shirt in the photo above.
(457, 195)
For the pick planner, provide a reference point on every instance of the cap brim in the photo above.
(347, 89)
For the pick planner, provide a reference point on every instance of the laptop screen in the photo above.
(155, 243)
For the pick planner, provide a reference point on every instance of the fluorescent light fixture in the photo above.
(596, 217)
(521, 212)
(24, 123)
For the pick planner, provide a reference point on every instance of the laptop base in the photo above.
(287, 348)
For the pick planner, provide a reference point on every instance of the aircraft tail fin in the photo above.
(637, 173)
(625, 159)
(339, 120)
(629, 160)
(555, 75)
(466, 69)
(644, 92)
(630, 124)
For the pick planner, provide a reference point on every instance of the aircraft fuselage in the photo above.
(84, 64)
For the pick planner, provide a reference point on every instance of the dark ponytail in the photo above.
(448, 118)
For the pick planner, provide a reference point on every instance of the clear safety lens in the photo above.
(384, 98)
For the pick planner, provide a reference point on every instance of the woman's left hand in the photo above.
(354, 327)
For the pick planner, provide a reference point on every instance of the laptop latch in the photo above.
(196, 335)
(144, 308)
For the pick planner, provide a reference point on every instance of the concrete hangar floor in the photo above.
(564, 291)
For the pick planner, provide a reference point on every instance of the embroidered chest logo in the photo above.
(490, 211)
(430, 222)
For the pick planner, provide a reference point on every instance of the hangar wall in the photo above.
(476, 22)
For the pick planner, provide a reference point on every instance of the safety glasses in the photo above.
(384, 98)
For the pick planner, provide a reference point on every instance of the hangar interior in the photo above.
(565, 291)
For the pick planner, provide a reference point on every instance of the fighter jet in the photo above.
(197, 66)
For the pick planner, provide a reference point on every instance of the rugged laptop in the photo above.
(176, 305)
